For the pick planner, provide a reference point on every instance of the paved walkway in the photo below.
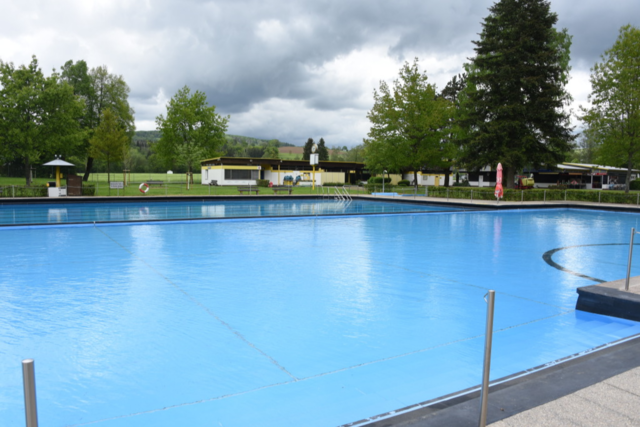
(612, 402)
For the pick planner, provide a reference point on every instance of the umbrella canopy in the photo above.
(58, 162)
(498, 192)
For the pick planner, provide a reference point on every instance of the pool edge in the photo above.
(519, 392)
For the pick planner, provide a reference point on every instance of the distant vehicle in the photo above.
(524, 183)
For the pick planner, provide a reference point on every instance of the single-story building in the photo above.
(574, 175)
(247, 170)
(434, 178)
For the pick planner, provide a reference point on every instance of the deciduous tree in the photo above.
(100, 91)
(614, 116)
(407, 124)
(191, 131)
(38, 115)
(110, 140)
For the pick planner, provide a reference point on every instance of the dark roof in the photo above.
(288, 164)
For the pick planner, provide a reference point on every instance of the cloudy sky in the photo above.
(281, 69)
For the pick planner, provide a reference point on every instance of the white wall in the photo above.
(209, 175)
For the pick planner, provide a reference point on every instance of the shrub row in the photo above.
(23, 191)
(538, 195)
(378, 180)
(39, 190)
(262, 182)
(88, 189)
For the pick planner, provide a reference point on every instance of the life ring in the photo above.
(144, 187)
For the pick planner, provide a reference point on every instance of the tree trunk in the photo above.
(27, 171)
(87, 171)
(446, 177)
(415, 178)
(509, 177)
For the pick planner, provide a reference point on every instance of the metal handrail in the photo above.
(346, 193)
(626, 282)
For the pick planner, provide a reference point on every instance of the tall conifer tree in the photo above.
(306, 151)
(514, 113)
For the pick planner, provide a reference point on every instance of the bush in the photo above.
(404, 183)
(262, 182)
(378, 180)
(88, 189)
(634, 185)
(335, 184)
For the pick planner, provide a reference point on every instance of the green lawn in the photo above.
(168, 188)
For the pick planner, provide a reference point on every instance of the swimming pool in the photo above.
(77, 213)
(315, 321)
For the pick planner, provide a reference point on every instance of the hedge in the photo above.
(23, 191)
(535, 195)
(378, 180)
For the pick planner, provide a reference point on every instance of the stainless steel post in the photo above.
(545, 196)
(472, 195)
(484, 393)
(521, 196)
(447, 194)
(29, 382)
(626, 282)
(599, 194)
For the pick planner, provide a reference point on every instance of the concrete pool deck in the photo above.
(599, 389)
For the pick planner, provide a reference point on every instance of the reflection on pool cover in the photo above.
(171, 210)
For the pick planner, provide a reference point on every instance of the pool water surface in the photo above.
(306, 322)
(77, 213)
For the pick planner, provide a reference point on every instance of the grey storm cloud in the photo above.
(281, 69)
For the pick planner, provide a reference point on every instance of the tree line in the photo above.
(509, 105)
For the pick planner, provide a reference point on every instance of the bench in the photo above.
(155, 183)
(249, 190)
(278, 188)
(214, 182)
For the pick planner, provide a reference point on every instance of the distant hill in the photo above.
(152, 136)
(146, 135)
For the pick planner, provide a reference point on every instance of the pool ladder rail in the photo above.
(342, 194)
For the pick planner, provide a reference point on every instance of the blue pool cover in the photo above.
(308, 322)
(77, 213)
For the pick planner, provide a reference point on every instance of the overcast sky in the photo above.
(281, 69)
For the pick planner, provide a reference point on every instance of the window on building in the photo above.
(240, 174)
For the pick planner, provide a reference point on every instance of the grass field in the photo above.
(173, 185)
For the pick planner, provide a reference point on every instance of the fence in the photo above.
(159, 188)
(536, 195)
